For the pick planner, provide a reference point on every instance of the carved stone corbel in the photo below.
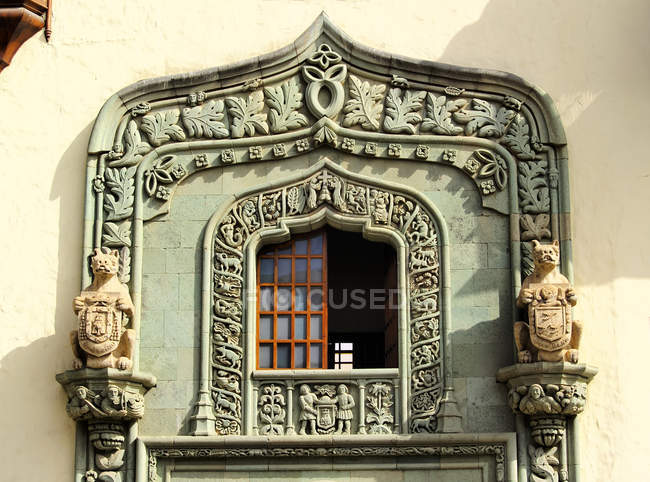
(108, 400)
(547, 395)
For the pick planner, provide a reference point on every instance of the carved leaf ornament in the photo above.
(134, 147)
(438, 115)
(247, 116)
(162, 127)
(365, 104)
(284, 102)
(205, 120)
(402, 111)
(484, 120)
(119, 201)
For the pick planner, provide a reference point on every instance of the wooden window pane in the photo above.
(284, 298)
(300, 328)
(266, 356)
(316, 299)
(284, 355)
(301, 270)
(315, 356)
(266, 327)
(316, 271)
(292, 280)
(316, 332)
(267, 250)
(301, 246)
(300, 355)
(284, 327)
(316, 244)
(266, 298)
(266, 270)
(300, 299)
(284, 270)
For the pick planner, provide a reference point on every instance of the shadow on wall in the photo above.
(601, 49)
(28, 372)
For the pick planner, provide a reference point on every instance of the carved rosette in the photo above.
(548, 395)
(108, 400)
(327, 190)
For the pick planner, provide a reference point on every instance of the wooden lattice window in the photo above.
(292, 304)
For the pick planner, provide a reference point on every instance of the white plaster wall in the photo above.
(591, 56)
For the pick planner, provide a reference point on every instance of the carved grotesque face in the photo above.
(81, 392)
(546, 254)
(535, 391)
(105, 262)
(113, 394)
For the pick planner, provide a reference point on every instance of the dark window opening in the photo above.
(327, 299)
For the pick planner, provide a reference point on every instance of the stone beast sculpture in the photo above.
(103, 309)
(550, 334)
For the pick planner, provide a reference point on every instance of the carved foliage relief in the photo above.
(325, 88)
(328, 190)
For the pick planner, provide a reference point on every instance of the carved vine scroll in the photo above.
(332, 190)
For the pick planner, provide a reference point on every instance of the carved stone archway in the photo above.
(326, 191)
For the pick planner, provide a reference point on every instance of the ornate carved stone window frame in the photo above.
(495, 128)
(408, 243)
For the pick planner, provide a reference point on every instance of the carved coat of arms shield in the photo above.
(550, 318)
(326, 414)
(100, 323)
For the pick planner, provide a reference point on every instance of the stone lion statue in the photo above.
(103, 309)
(550, 334)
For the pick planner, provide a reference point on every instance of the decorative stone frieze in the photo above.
(381, 112)
(496, 448)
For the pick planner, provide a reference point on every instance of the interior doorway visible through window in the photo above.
(327, 299)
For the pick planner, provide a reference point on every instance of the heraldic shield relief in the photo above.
(550, 316)
(100, 323)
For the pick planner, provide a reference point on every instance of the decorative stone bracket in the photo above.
(108, 400)
(548, 395)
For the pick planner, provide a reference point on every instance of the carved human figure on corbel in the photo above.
(103, 309)
(550, 334)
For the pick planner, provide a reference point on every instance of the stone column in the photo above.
(362, 406)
